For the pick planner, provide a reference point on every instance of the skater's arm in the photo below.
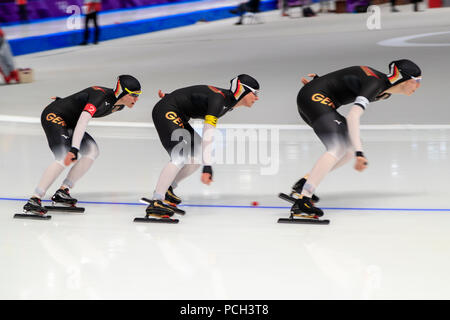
(77, 136)
(207, 144)
(215, 105)
(353, 121)
(80, 129)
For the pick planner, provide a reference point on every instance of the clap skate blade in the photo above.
(64, 207)
(31, 215)
(303, 220)
(163, 219)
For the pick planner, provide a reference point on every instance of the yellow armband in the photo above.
(212, 120)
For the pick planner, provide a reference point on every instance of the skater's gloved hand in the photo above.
(361, 161)
(207, 175)
(71, 156)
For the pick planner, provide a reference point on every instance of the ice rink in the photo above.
(389, 233)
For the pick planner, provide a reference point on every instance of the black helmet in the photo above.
(243, 84)
(127, 84)
(402, 70)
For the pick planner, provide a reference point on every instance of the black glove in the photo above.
(75, 152)
(208, 169)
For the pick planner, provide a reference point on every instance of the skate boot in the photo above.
(298, 187)
(14, 75)
(171, 198)
(158, 209)
(63, 197)
(304, 208)
(34, 205)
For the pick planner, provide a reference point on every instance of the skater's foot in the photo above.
(62, 196)
(14, 75)
(34, 205)
(159, 209)
(304, 206)
(171, 197)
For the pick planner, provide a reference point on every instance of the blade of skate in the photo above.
(156, 220)
(64, 209)
(31, 216)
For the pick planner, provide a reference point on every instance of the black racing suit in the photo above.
(60, 117)
(175, 110)
(319, 99)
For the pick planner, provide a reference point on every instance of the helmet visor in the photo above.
(254, 91)
(133, 93)
(417, 79)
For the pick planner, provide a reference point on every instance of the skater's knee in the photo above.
(338, 151)
(178, 161)
(349, 154)
(90, 150)
(93, 153)
(60, 162)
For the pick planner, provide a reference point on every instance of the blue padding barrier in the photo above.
(75, 37)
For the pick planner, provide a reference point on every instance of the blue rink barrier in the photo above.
(75, 37)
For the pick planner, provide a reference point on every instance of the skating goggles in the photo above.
(417, 79)
(133, 93)
(255, 92)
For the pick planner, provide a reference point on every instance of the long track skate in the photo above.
(161, 216)
(172, 206)
(304, 218)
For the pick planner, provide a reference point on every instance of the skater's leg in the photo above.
(58, 140)
(49, 176)
(89, 151)
(176, 140)
(324, 165)
(97, 28)
(194, 163)
(166, 178)
(86, 29)
(332, 130)
(346, 158)
(7, 67)
(51, 173)
(156, 206)
(187, 170)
